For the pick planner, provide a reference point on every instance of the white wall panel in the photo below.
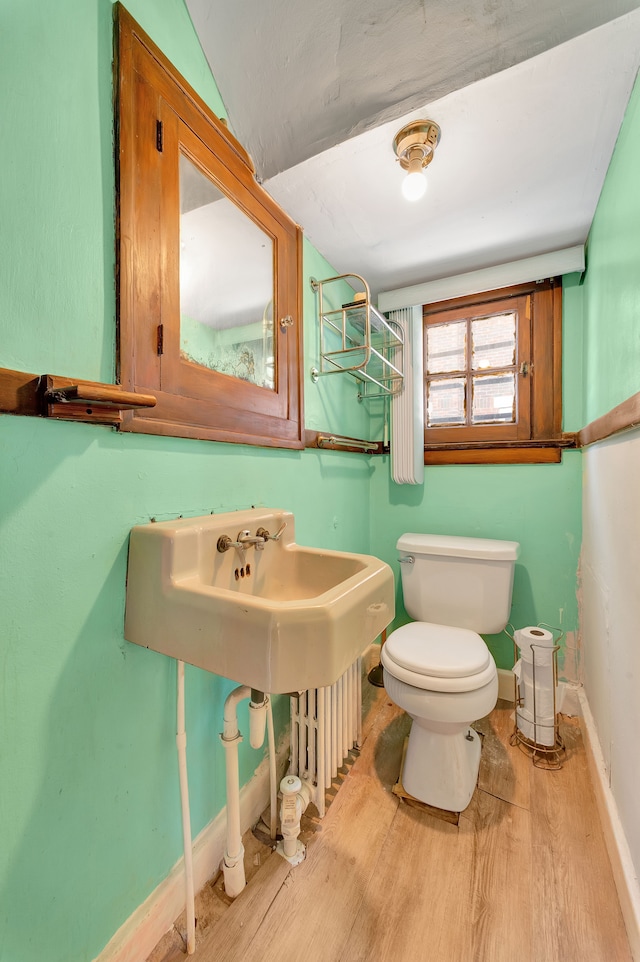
(611, 615)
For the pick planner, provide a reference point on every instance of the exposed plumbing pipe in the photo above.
(273, 786)
(181, 742)
(233, 862)
(296, 796)
(259, 715)
(257, 718)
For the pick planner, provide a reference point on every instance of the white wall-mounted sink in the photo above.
(278, 617)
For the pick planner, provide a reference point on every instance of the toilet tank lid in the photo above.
(441, 544)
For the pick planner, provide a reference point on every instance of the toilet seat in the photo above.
(438, 657)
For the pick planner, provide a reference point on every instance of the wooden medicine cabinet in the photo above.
(208, 267)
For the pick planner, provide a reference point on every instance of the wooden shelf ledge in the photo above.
(68, 399)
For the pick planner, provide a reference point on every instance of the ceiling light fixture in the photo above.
(414, 145)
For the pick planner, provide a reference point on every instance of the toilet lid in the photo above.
(438, 650)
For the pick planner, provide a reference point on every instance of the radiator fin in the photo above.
(326, 724)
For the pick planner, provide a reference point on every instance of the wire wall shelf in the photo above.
(357, 339)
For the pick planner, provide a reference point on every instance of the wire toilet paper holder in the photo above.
(549, 757)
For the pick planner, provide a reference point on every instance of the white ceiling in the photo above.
(528, 96)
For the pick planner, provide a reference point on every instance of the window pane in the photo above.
(446, 347)
(494, 341)
(494, 399)
(446, 401)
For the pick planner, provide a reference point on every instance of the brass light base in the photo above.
(420, 137)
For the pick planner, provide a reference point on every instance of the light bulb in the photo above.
(414, 185)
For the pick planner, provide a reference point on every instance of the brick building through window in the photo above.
(493, 376)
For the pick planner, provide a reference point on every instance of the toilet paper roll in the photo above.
(542, 732)
(532, 635)
(537, 676)
(537, 697)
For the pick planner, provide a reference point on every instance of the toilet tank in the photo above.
(462, 582)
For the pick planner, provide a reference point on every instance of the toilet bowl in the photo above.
(438, 668)
(444, 678)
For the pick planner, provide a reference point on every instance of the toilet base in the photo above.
(441, 768)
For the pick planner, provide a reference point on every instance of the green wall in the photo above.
(90, 817)
(89, 806)
(537, 505)
(611, 288)
(56, 189)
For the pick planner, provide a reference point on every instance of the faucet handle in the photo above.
(264, 534)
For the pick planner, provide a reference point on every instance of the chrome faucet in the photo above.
(245, 538)
(243, 541)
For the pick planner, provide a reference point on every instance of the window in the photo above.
(493, 376)
(209, 294)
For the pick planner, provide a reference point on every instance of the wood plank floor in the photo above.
(523, 877)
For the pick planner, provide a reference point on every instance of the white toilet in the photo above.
(438, 668)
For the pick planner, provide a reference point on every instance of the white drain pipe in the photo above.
(181, 742)
(233, 862)
(260, 715)
(273, 786)
(257, 718)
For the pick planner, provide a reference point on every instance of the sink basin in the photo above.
(277, 616)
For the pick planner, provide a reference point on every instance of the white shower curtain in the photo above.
(407, 407)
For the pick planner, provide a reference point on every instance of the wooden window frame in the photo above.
(537, 434)
(158, 116)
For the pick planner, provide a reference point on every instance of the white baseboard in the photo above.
(624, 873)
(142, 931)
(506, 689)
